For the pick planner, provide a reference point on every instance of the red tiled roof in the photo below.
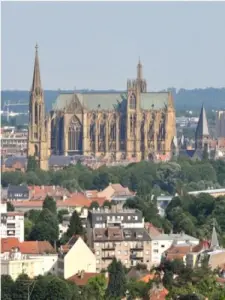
(27, 247)
(82, 280)
(177, 252)
(159, 294)
(76, 199)
(8, 243)
(15, 213)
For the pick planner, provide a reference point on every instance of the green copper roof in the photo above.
(154, 101)
(109, 101)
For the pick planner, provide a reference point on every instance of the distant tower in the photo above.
(140, 81)
(37, 137)
(214, 239)
(202, 132)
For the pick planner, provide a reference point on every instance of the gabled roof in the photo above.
(27, 247)
(83, 278)
(18, 189)
(202, 127)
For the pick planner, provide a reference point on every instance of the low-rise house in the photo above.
(113, 192)
(40, 192)
(162, 242)
(17, 192)
(40, 250)
(75, 257)
(76, 201)
(15, 263)
(82, 278)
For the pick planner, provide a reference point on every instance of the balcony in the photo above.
(137, 247)
(108, 257)
(110, 246)
(136, 256)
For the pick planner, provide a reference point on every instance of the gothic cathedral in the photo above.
(113, 125)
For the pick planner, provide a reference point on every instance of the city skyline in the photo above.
(97, 45)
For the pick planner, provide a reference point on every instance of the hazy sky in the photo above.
(96, 45)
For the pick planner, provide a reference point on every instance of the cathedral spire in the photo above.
(36, 84)
(214, 239)
(202, 127)
(139, 70)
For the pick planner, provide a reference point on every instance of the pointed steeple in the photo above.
(214, 239)
(36, 84)
(139, 70)
(202, 127)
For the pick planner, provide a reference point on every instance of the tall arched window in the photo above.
(75, 135)
(36, 113)
(132, 101)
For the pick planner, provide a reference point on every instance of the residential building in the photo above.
(116, 216)
(15, 263)
(211, 251)
(32, 250)
(75, 257)
(161, 243)
(118, 233)
(115, 192)
(12, 223)
(220, 124)
(18, 192)
(13, 141)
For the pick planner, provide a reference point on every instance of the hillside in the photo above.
(184, 99)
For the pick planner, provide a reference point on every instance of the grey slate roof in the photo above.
(108, 101)
(18, 189)
(202, 127)
(59, 160)
(13, 159)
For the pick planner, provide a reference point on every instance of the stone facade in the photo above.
(135, 124)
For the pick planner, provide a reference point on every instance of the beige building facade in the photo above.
(135, 124)
(76, 258)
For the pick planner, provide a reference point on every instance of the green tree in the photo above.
(97, 286)
(94, 204)
(75, 227)
(107, 204)
(20, 287)
(46, 227)
(33, 215)
(168, 279)
(117, 280)
(10, 206)
(6, 287)
(57, 289)
(50, 204)
(27, 228)
(61, 213)
(32, 164)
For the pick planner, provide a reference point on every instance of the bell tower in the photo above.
(37, 132)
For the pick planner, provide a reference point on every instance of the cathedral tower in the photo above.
(202, 132)
(37, 137)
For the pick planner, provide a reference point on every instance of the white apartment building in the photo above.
(12, 223)
(15, 263)
(163, 242)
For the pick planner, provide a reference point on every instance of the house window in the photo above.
(156, 251)
(162, 246)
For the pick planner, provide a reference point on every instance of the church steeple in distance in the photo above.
(37, 138)
(202, 130)
(36, 84)
(140, 81)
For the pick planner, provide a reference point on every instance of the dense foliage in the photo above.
(143, 177)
